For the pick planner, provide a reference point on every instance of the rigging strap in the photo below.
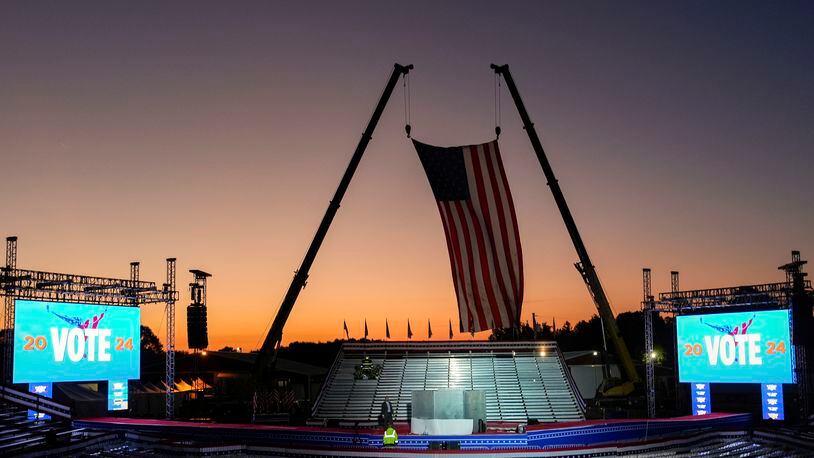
(497, 104)
(407, 99)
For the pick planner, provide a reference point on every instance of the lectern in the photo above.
(447, 411)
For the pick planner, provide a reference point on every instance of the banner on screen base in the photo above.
(45, 390)
(117, 395)
(701, 399)
(742, 347)
(60, 342)
(772, 399)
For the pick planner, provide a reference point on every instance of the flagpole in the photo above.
(268, 352)
(585, 267)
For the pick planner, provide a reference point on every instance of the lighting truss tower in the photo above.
(198, 286)
(170, 381)
(197, 338)
(674, 287)
(8, 307)
(674, 281)
(647, 307)
(36, 285)
(801, 312)
(196, 312)
(135, 268)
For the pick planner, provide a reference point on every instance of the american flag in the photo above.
(473, 197)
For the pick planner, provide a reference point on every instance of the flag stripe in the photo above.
(485, 265)
(467, 306)
(498, 263)
(465, 303)
(470, 264)
(501, 220)
(506, 233)
(464, 310)
(513, 245)
(514, 232)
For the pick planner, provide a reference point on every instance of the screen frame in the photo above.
(735, 309)
(19, 375)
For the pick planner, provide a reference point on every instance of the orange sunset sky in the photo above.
(217, 132)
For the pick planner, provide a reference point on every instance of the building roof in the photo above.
(244, 361)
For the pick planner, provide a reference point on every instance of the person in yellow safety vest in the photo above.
(391, 437)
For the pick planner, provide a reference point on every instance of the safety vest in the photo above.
(391, 437)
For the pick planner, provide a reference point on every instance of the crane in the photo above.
(268, 352)
(584, 266)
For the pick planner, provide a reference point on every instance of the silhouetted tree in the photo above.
(152, 356)
(149, 341)
(631, 325)
(587, 335)
(316, 353)
(525, 332)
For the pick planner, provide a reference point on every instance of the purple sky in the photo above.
(216, 132)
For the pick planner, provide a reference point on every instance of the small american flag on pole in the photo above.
(477, 211)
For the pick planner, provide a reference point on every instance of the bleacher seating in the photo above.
(18, 433)
(520, 380)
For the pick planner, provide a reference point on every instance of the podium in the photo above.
(447, 412)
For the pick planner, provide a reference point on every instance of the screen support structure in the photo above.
(8, 308)
(16, 283)
(677, 302)
(170, 359)
(648, 343)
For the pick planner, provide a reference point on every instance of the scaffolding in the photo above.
(8, 305)
(647, 304)
(676, 302)
(62, 287)
(170, 359)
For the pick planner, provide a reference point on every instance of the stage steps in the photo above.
(520, 380)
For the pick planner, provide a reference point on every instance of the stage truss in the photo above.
(38, 285)
(771, 295)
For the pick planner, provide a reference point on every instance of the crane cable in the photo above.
(407, 99)
(497, 105)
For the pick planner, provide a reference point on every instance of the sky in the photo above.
(216, 132)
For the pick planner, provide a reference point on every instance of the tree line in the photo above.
(584, 335)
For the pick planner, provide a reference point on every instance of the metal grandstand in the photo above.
(521, 381)
(20, 436)
(17, 283)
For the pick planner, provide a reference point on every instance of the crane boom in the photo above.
(584, 266)
(268, 352)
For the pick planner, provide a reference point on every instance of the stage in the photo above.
(592, 436)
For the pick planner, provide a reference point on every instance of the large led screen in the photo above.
(60, 342)
(743, 347)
